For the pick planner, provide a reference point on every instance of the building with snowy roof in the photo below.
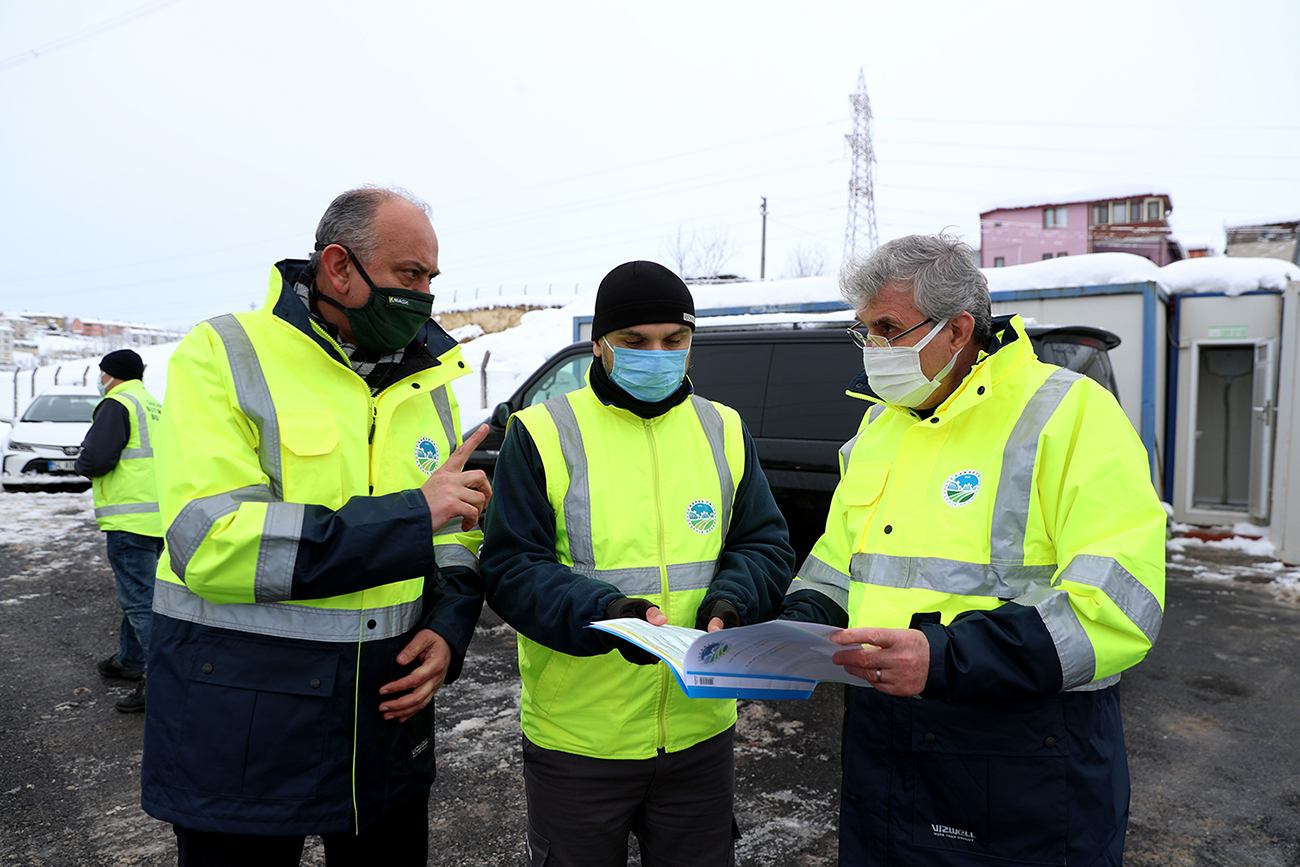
(1124, 220)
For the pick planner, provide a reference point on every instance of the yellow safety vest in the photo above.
(643, 504)
(1027, 484)
(126, 497)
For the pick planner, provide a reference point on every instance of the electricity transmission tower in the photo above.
(860, 235)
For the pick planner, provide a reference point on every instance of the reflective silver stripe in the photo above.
(195, 520)
(448, 550)
(846, 450)
(454, 554)
(826, 580)
(142, 424)
(874, 412)
(577, 500)
(254, 396)
(641, 580)
(126, 509)
(715, 433)
(1130, 595)
(1016, 484)
(1073, 647)
(277, 552)
(957, 577)
(287, 621)
(443, 406)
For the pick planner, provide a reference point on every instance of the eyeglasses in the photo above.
(864, 338)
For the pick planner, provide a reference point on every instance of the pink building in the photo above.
(1116, 221)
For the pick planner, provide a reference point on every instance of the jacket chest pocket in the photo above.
(311, 448)
(861, 490)
(992, 784)
(259, 716)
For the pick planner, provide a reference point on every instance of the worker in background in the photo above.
(117, 455)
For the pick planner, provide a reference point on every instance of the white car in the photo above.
(42, 446)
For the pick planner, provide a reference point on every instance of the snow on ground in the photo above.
(33, 517)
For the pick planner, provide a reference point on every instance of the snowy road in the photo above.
(1209, 719)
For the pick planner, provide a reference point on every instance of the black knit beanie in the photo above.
(641, 293)
(123, 364)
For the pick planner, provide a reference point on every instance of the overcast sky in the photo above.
(157, 157)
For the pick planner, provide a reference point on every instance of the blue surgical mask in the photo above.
(649, 375)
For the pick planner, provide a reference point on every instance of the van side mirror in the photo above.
(501, 414)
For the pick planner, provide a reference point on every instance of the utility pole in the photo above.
(860, 235)
(762, 259)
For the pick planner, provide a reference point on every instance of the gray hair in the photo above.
(940, 272)
(350, 220)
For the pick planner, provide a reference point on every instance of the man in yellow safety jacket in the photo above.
(997, 549)
(631, 497)
(117, 454)
(320, 582)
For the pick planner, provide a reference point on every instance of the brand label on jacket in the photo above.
(961, 488)
(701, 517)
(426, 456)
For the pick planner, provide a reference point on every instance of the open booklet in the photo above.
(777, 659)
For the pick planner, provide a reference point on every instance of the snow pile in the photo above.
(1092, 269)
(1229, 275)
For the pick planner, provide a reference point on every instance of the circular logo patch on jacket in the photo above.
(961, 488)
(426, 455)
(702, 517)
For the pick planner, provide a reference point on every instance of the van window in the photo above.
(734, 374)
(805, 394)
(564, 378)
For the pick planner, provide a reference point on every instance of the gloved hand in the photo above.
(722, 609)
(625, 607)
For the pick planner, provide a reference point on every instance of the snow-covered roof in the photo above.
(1095, 194)
(1231, 276)
(1271, 221)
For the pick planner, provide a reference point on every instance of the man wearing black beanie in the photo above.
(632, 497)
(117, 454)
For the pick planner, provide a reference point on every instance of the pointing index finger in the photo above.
(456, 460)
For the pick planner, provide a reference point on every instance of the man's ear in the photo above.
(595, 348)
(963, 330)
(336, 268)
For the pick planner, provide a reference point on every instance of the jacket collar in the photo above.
(282, 302)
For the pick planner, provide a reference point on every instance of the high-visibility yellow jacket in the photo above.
(672, 509)
(1016, 527)
(126, 497)
(299, 562)
(1028, 488)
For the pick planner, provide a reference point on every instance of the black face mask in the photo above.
(389, 319)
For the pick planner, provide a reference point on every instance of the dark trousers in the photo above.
(134, 559)
(399, 839)
(679, 806)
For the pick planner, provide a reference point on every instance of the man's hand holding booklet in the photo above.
(776, 659)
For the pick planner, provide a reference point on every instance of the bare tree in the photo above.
(806, 261)
(699, 256)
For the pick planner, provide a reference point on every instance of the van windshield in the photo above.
(62, 407)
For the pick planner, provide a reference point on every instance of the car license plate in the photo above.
(68, 466)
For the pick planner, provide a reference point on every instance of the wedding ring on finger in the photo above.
(877, 675)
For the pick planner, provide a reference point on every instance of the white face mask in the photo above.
(895, 375)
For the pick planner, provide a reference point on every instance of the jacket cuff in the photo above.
(936, 681)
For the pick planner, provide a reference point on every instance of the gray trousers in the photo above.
(679, 806)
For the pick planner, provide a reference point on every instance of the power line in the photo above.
(82, 35)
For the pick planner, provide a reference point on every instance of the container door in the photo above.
(1263, 412)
